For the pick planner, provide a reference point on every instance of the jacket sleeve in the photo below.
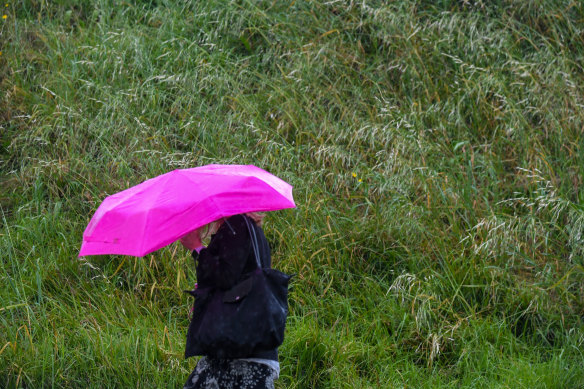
(222, 262)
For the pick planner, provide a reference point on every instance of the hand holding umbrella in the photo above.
(192, 240)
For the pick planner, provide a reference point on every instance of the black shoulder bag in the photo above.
(241, 321)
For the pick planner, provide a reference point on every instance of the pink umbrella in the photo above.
(157, 212)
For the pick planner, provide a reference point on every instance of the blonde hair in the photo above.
(257, 217)
(209, 229)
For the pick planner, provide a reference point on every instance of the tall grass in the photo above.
(435, 148)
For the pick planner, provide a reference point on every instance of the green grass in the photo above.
(435, 148)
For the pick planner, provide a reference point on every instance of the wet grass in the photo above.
(436, 153)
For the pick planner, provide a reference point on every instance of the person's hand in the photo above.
(192, 240)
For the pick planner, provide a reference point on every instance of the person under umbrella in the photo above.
(241, 305)
(222, 264)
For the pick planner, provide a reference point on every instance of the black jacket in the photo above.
(229, 257)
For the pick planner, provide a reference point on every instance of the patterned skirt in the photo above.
(211, 373)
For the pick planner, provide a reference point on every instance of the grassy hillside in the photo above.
(435, 148)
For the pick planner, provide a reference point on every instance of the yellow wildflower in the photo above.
(354, 175)
(360, 180)
(4, 16)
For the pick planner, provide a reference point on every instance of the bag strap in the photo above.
(254, 241)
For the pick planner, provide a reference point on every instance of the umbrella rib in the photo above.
(177, 171)
(152, 201)
(188, 177)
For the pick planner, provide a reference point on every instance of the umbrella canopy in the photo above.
(157, 212)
